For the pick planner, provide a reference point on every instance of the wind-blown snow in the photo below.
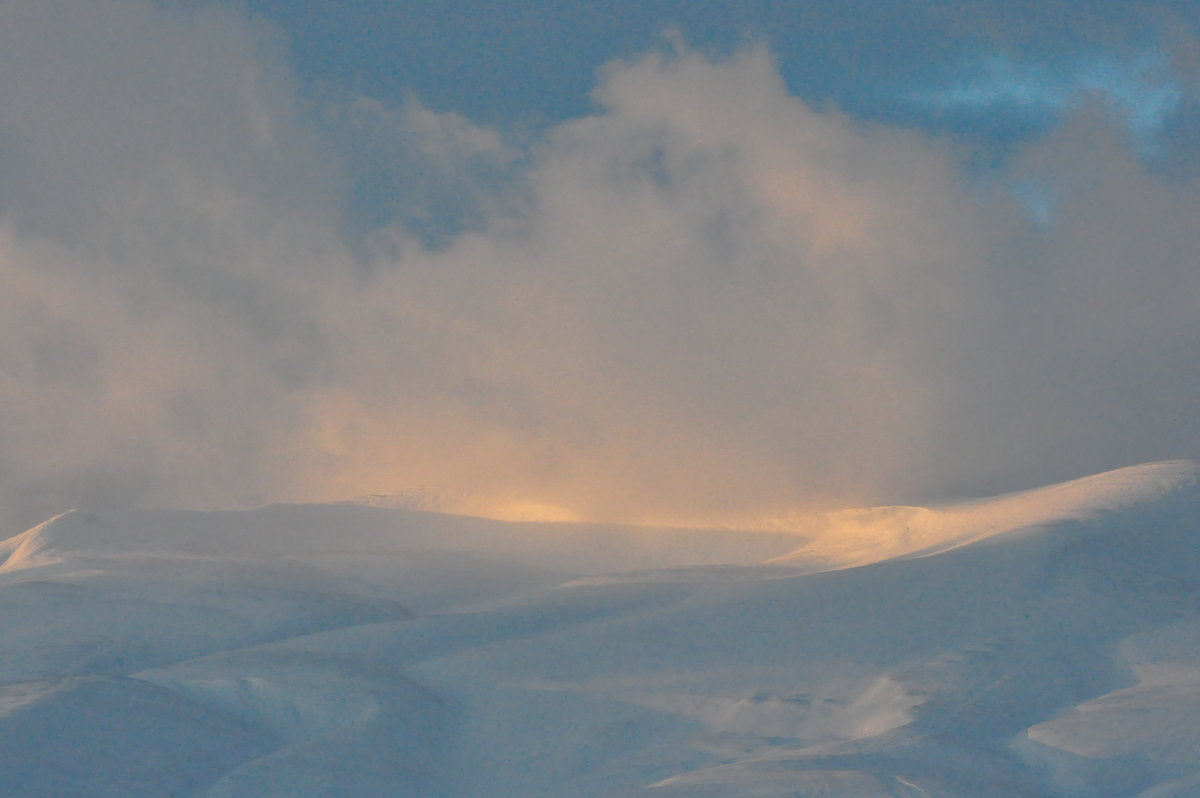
(1045, 643)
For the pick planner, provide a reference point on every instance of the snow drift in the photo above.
(1042, 643)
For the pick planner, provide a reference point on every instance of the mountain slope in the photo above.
(1039, 644)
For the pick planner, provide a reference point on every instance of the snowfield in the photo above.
(1045, 643)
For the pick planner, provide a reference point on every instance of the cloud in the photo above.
(690, 277)
(166, 231)
(1088, 322)
(705, 299)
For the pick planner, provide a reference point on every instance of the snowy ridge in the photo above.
(346, 530)
(851, 538)
(1039, 644)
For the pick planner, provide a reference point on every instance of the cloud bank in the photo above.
(704, 300)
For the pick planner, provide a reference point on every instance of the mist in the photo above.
(705, 300)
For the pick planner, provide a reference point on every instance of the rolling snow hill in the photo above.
(1045, 643)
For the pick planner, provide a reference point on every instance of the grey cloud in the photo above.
(166, 229)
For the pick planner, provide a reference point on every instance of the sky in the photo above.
(671, 262)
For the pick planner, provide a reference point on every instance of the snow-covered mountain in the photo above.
(1045, 643)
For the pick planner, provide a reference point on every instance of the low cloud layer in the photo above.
(704, 300)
